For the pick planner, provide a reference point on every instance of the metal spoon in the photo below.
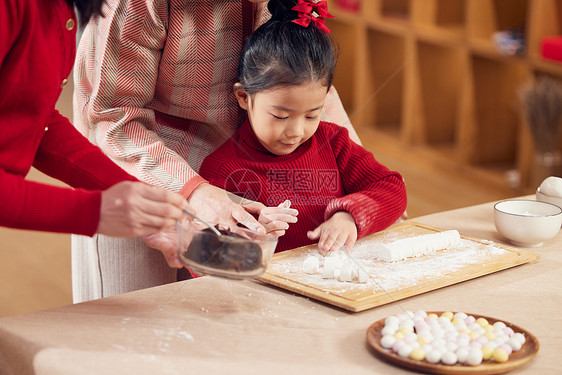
(211, 227)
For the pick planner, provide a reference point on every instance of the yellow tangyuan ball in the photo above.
(500, 355)
(482, 322)
(417, 354)
(448, 315)
(487, 352)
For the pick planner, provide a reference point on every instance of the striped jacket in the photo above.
(154, 85)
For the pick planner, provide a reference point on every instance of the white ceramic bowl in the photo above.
(548, 198)
(527, 223)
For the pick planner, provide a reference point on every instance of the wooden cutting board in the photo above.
(394, 281)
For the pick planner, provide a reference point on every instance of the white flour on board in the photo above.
(395, 275)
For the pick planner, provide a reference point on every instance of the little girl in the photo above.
(283, 154)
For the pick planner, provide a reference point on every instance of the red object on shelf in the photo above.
(552, 48)
(349, 5)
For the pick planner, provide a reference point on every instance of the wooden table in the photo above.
(216, 326)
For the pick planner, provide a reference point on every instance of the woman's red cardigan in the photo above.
(37, 49)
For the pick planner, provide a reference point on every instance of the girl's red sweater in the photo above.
(326, 174)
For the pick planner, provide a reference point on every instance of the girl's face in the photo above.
(283, 118)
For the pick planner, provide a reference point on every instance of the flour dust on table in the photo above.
(387, 263)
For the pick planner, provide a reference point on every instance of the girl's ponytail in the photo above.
(281, 10)
(290, 49)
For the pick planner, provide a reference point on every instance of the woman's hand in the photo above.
(135, 209)
(276, 219)
(337, 232)
(217, 206)
(166, 242)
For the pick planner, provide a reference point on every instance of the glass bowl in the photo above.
(239, 253)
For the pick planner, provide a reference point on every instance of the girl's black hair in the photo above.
(283, 53)
(86, 9)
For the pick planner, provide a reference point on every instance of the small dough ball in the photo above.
(331, 264)
(520, 337)
(425, 333)
(427, 348)
(482, 322)
(346, 273)
(392, 320)
(476, 344)
(433, 356)
(456, 322)
(414, 344)
(387, 341)
(405, 351)
(422, 340)
(473, 335)
(474, 357)
(460, 316)
(448, 315)
(499, 325)
(389, 330)
(311, 265)
(417, 354)
(506, 347)
(487, 352)
(449, 358)
(437, 332)
(362, 276)
(438, 342)
(492, 344)
(514, 343)
(337, 274)
(397, 345)
(500, 355)
(410, 336)
(407, 324)
(482, 340)
(451, 346)
(404, 330)
(462, 355)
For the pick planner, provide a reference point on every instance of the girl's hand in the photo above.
(276, 219)
(335, 233)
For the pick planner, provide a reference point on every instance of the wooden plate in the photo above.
(516, 359)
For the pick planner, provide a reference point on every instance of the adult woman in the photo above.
(37, 49)
(154, 92)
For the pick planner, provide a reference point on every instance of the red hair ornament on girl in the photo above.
(312, 11)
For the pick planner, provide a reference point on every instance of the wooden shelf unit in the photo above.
(427, 73)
